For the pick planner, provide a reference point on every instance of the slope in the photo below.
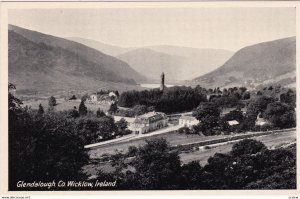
(120, 68)
(273, 61)
(40, 68)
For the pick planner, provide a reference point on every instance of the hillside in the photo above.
(107, 62)
(153, 63)
(196, 61)
(105, 48)
(263, 63)
(39, 68)
(178, 63)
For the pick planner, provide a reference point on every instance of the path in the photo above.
(132, 137)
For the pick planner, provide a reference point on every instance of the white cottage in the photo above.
(188, 121)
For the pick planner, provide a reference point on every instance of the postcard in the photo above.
(184, 97)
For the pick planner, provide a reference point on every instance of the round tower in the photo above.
(162, 82)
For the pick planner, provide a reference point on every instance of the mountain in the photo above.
(178, 63)
(153, 63)
(263, 63)
(105, 48)
(195, 61)
(41, 68)
(107, 62)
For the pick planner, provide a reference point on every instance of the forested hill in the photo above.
(273, 61)
(121, 71)
(40, 68)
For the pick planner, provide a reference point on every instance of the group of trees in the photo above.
(91, 127)
(134, 111)
(42, 146)
(49, 145)
(171, 100)
(229, 98)
(278, 112)
(249, 165)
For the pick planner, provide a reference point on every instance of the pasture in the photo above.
(271, 141)
(63, 105)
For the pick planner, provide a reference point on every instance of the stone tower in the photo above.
(162, 82)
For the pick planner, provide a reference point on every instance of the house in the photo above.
(105, 99)
(260, 121)
(233, 123)
(149, 122)
(93, 97)
(188, 121)
(112, 95)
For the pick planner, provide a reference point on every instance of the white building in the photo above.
(105, 99)
(93, 97)
(260, 121)
(149, 122)
(233, 122)
(188, 121)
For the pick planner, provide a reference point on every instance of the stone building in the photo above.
(149, 122)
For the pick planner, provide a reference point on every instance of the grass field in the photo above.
(271, 141)
(63, 105)
(173, 138)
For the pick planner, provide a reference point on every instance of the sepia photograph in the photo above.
(151, 98)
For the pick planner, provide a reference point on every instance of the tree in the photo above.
(74, 113)
(113, 108)
(236, 114)
(257, 105)
(100, 113)
(82, 109)
(52, 102)
(289, 98)
(247, 146)
(40, 144)
(280, 115)
(41, 110)
(191, 176)
(184, 130)
(215, 171)
(156, 166)
(88, 129)
(121, 125)
(106, 127)
(151, 108)
(84, 97)
(13, 102)
(175, 99)
(73, 97)
(208, 114)
(246, 95)
(278, 170)
(140, 109)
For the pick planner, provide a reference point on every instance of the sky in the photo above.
(219, 28)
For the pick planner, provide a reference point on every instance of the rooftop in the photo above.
(151, 114)
(233, 122)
